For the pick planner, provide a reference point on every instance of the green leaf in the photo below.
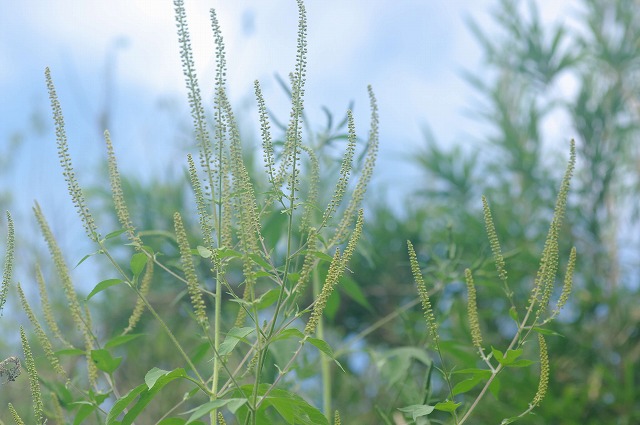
(267, 299)
(466, 385)
(417, 410)
(260, 261)
(507, 358)
(543, 331)
(233, 338)
(325, 348)
(152, 377)
(521, 363)
(121, 339)
(83, 412)
(202, 410)
(226, 253)
(70, 352)
(114, 234)
(155, 380)
(204, 252)
(288, 333)
(396, 362)
(509, 420)
(321, 345)
(514, 314)
(121, 404)
(172, 421)
(352, 289)
(137, 263)
(291, 407)
(494, 387)
(319, 254)
(104, 361)
(484, 373)
(87, 256)
(294, 409)
(104, 285)
(332, 306)
(447, 406)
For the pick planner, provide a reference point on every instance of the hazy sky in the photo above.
(411, 51)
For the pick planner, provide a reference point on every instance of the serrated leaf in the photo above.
(137, 263)
(104, 285)
(417, 410)
(121, 339)
(104, 361)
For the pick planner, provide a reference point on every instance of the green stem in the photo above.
(324, 361)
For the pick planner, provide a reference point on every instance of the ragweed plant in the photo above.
(530, 318)
(246, 287)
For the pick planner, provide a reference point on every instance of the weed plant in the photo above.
(245, 369)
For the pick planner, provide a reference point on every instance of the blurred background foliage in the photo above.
(373, 320)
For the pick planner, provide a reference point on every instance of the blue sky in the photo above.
(411, 51)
